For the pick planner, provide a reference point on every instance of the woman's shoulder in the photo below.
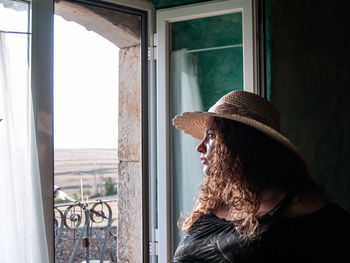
(200, 243)
(330, 214)
(210, 224)
(308, 207)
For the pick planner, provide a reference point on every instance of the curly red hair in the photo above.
(245, 160)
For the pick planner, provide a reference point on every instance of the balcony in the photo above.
(86, 231)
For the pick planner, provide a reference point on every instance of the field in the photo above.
(92, 166)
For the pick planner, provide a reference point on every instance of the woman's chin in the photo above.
(206, 170)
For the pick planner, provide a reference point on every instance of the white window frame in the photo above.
(42, 86)
(152, 141)
(164, 17)
(42, 90)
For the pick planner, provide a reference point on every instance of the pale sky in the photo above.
(85, 83)
(11, 20)
(85, 88)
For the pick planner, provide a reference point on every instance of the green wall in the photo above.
(219, 71)
(310, 61)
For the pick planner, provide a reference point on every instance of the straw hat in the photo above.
(241, 106)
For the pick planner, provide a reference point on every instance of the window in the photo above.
(196, 64)
(160, 185)
(22, 224)
(99, 131)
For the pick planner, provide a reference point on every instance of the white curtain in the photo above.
(22, 229)
(186, 166)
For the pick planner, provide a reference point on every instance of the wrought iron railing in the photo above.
(75, 224)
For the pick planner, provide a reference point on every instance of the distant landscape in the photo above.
(98, 169)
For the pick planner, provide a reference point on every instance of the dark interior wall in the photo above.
(310, 61)
(169, 3)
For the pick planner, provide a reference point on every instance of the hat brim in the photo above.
(193, 123)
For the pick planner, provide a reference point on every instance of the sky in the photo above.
(85, 82)
(11, 20)
(14, 75)
(85, 88)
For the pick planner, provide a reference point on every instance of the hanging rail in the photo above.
(14, 32)
(214, 48)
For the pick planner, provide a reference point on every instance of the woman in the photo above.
(257, 202)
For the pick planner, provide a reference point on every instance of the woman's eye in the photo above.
(210, 135)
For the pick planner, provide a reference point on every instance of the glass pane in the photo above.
(86, 109)
(19, 171)
(14, 15)
(214, 48)
(206, 62)
(97, 133)
(15, 63)
(86, 131)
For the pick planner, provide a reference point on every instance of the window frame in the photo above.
(156, 122)
(42, 89)
(251, 84)
(42, 27)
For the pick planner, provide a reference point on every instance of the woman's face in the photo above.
(207, 144)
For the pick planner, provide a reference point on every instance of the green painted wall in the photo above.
(219, 71)
(310, 62)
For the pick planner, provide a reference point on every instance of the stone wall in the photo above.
(129, 142)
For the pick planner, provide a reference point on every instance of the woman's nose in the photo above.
(201, 147)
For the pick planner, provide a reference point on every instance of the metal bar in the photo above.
(106, 233)
(60, 230)
(114, 244)
(14, 32)
(86, 232)
(83, 203)
(81, 236)
(214, 48)
(145, 89)
(87, 240)
(24, 1)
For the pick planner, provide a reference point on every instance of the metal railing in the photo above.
(80, 219)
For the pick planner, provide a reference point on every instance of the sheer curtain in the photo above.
(22, 228)
(186, 167)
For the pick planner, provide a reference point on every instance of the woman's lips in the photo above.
(203, 160)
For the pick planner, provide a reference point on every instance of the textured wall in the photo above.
(129, 213)
(221, 70)
(129, 104)
(129, 169)
(310, 59)
(120, 28)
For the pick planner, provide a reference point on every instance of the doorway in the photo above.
(99, 92)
